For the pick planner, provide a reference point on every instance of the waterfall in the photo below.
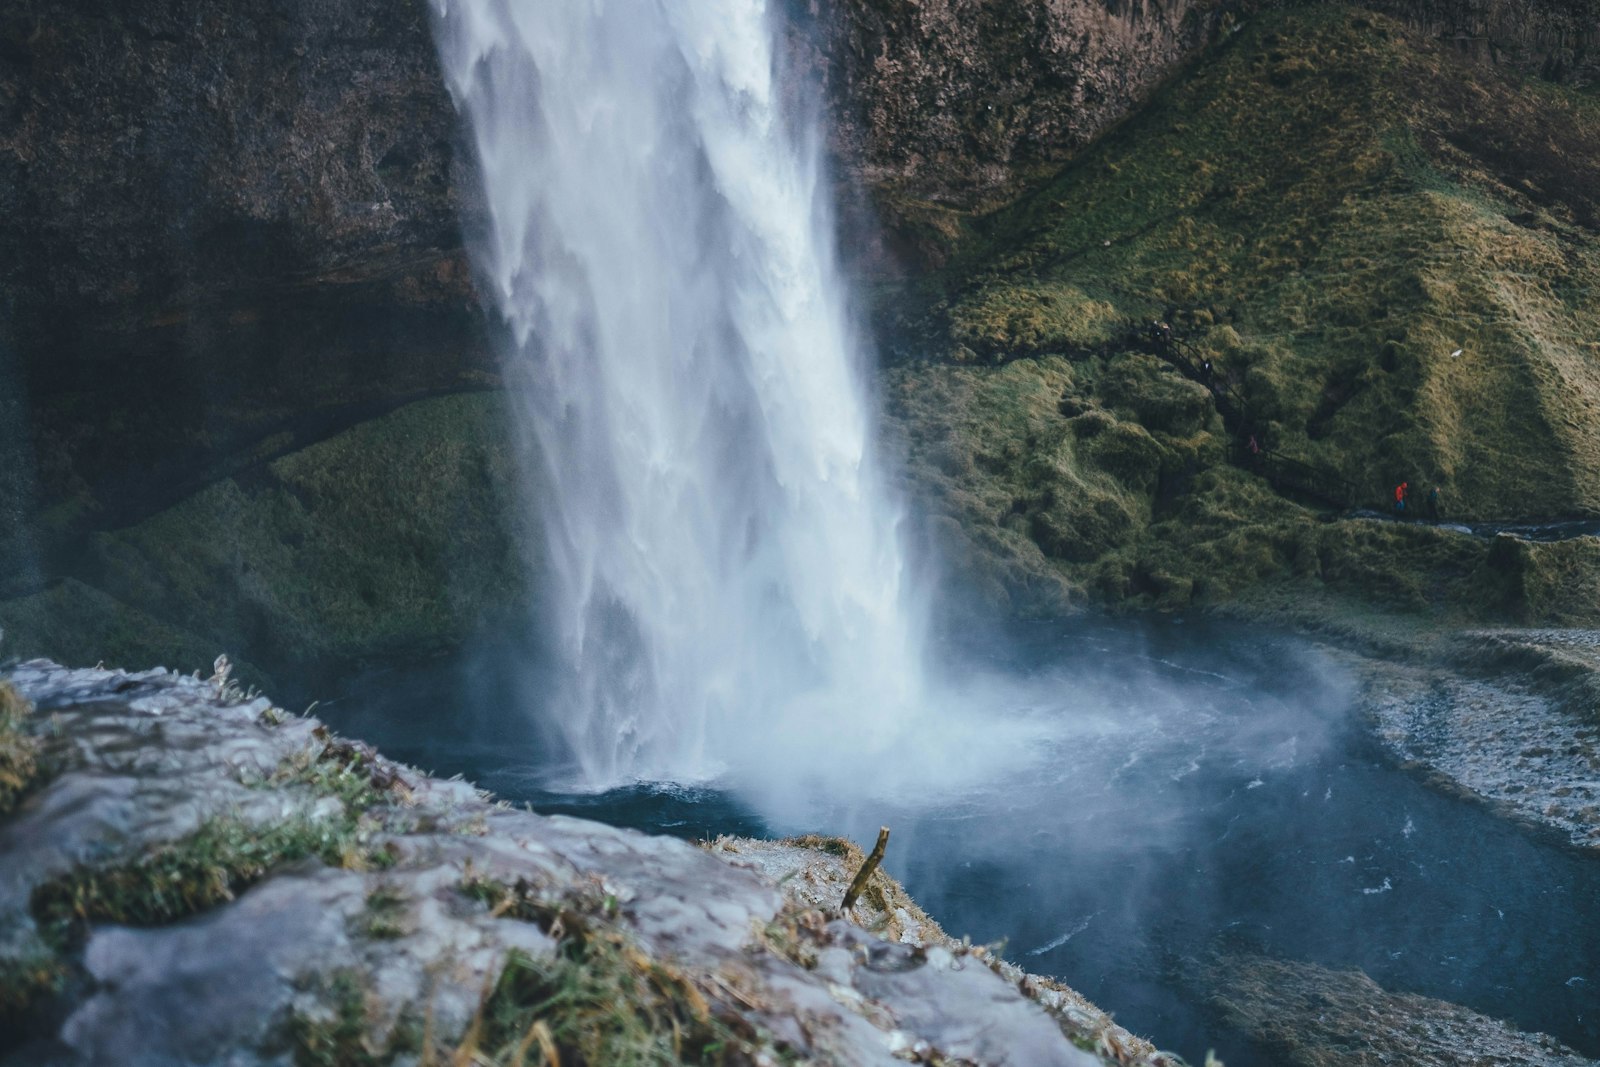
(726, 590)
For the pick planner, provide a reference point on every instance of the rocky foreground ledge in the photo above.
(192, 875)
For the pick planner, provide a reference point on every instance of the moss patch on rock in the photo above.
(223, 856)
(185, 877)
(599, 999)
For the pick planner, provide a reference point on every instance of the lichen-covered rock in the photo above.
(205, 878)
(813, 872)
(1558, 40)
(952, 101)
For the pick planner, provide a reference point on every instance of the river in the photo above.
(1212, 791)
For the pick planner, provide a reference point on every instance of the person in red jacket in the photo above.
(1401, 491)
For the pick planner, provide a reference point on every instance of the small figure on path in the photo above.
(1400, 493)
(1206, 373)
(1253, 445)
(1433, 503)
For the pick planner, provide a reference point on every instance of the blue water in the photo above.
(1211, 792)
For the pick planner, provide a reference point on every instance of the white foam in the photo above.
(1064, 938)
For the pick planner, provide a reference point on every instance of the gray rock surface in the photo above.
(138, 763)
(1309, 1016)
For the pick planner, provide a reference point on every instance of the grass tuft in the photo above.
(19, 763)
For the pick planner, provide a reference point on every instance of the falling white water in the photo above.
(727, 574)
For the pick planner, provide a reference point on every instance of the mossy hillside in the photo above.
(1040, 479)
(1337, 193)
(1043, 510)
(397, 536)
(1332, 209)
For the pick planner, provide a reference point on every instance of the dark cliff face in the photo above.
(227, 231)
(218, 224)
(946, 108)
(954, 101)
(1558, 40)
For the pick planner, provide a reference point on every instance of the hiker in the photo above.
(1206, 373)
(1161, 333)
(1400, 497)
(1433, 503)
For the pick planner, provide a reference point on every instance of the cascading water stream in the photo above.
(725, 573)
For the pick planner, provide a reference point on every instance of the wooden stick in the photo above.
(873, 859)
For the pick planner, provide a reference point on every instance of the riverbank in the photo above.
(1508, 716)
(1313, 1017)
(1509, 739)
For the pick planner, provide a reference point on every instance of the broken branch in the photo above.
(873, 859)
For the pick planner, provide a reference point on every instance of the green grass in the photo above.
(340, 1034)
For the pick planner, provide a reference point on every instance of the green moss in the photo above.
(209, 867)
(1007, 321)
(340, 1033)
(340, 769)
(28, 980)
(1308, 185)
(30, 973)
(383, 918)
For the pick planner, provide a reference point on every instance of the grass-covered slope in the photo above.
(396, 537)
(1331, 209)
